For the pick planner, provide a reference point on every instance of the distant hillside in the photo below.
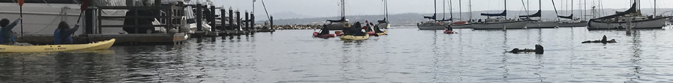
(413, 18)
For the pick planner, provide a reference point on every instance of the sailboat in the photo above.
(384, 24)
(461, 24)
(341, 23)
(629, 18)
(498, 21)
(570, 21)
(538, 23)
(432, 23)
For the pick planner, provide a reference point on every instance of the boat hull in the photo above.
(430, 27)
(102, 45)
(384, 25)
(577, 24)
(337, 26)
(658, 23)
(542, 25)
(500, 26)
(462, 26)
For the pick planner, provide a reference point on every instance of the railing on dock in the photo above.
(170, 17)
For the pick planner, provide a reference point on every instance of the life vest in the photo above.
(58, 40)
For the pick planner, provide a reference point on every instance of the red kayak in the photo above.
(449, 32)
(315, 34)
(338, 33)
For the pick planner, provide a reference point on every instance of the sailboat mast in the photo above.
(505, 7)
(460, 9)
(343, 8)
(655, 7)
(444, 10)
(386, 9)
(470, 8)
(451, 9)
(585, 10)
(571, 7)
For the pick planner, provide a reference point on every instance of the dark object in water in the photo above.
(604, 40)
(538, 50)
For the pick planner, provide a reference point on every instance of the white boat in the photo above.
(384, 24)
(461, 26)
(538, 24)
(499, 24)
(572, 24)
(629, 18)
(341, 23)
(570, 21)
(430, 25)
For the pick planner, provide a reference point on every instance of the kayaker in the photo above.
(357, 31)
(324, 30)
(347, 30)
(62, 35)
(6, 31)
(377, 29)
(449, 28)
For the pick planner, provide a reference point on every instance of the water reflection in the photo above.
(409, 56)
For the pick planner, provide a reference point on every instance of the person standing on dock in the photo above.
(6, 31)
(62, 35)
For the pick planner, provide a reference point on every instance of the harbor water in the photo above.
(406, 55)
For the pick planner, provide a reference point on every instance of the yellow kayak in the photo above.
(351, 37)
(102, 45)
(382, 33)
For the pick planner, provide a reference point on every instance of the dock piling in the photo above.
(222, 21)
(231, 19)
(247, 21)
(212, 19)
(238, 22)
(252, 23)
(199, 17)
(88, 21)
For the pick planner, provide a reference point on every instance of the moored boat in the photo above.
(629, 18)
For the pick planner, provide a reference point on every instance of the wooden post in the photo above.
(199, 17)
(88, 21)
(247, 22)
(212, 19)
(238, 22)
(252, 21)
(231, 19)
(222, 19)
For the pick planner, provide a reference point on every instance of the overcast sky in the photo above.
(323, 8)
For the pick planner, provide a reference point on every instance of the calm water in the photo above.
(405, 55)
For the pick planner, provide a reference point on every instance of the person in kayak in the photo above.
(62, 35)
(358, 31)
(324, 30)
(377, 29)
(6, 31)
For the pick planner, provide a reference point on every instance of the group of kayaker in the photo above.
(356, 29)
(62, 35)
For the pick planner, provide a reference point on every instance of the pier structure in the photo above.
(169, 17)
